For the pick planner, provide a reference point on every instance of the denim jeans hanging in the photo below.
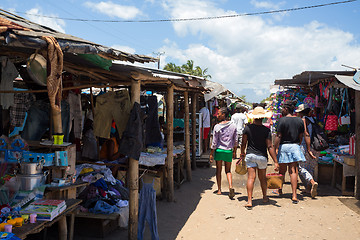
(147, 210)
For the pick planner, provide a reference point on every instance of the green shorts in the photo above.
(223, 155)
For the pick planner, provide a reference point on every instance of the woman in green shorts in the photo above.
(223, 148)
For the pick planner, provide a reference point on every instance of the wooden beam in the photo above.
(193, 127)
(169, 165)
(134, 176)
(357, 146)
(187, 137)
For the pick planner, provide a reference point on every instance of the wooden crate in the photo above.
(96, 225)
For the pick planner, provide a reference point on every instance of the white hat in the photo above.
(259, 112)
(301, 108)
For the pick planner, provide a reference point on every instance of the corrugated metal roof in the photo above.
(310, 78)
(24, 33)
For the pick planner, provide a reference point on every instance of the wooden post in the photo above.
(187, 137)
(357, 146)
(134, 176)
(193, 126)
(169, 165)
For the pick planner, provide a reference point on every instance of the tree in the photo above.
(188, 68)
(171, 67)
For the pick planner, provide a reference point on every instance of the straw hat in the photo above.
(36, 67)
(259, 112)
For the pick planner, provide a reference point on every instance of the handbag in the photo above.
(241, 167)
(331, 123)
(274, 180)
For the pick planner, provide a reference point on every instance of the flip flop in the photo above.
(314, 190)
(295, 201)
(248, 207)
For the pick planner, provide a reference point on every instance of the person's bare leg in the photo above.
(250, 185)
(229, 178)
(293, 172)
(263, 184)
(206, 144)
(228, 173)
(218, 175)
(282, 171)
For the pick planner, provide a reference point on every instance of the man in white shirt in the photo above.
(205, 126)
(240, 120)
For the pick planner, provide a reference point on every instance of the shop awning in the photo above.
(348, 81)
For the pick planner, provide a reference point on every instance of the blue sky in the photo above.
(245, 54)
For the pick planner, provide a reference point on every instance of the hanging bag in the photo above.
(331, 122)
(318, 141)
(345, 119)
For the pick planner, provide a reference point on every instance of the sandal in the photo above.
(231, 193)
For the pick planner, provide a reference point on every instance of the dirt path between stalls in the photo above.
(199, 213)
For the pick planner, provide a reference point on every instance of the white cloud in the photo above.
(247, 54)
(114, 10)
(34, 15)
(124, 48)
(267, 4)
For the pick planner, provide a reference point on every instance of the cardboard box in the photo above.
(149, 178)
(349, 160)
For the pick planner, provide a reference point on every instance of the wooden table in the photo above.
(64, 192)
(32, 228)
(338, 163)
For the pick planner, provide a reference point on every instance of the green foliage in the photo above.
(188, 68)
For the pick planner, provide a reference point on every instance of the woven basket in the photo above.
(274, 180)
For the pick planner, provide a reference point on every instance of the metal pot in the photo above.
(27, 168)
(29, 182)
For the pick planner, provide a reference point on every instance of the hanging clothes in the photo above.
(8, 75)
(109, 106)
(152, 126)
(74, 101)
(147, 210)
(131, 141)
(22, 103)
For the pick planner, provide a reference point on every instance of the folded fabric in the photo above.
(102, 207)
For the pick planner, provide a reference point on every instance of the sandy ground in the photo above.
(198, 213)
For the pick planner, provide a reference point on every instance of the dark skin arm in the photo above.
(307, 140)
(243, 147)
(277, 142)
(272, 153)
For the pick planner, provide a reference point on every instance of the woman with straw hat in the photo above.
(257, 138)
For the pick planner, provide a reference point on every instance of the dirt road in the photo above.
(199, 213)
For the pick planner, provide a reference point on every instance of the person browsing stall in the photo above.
(205, 126)
(311, 185)
(222, 147)
(257, 138)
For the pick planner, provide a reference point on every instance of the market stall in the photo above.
(333, 101)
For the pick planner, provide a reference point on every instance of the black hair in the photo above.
(290, 105)
(226, 111)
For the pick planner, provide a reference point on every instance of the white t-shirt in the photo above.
(239, 119)
(205, 117)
